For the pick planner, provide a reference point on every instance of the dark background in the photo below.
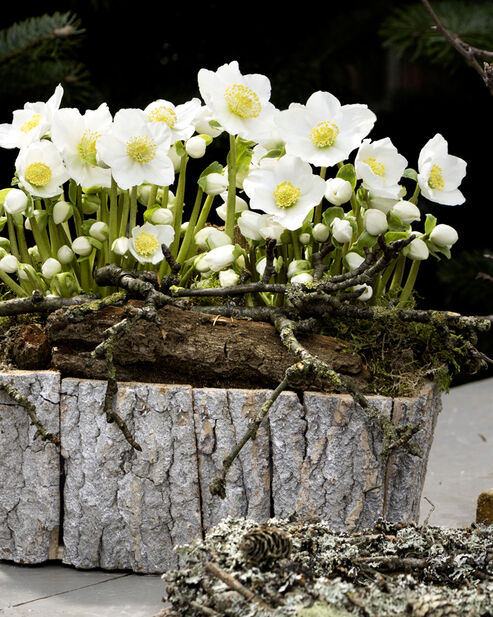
(136, 54)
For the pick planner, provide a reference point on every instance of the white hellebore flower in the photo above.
(15, 202)
(240, 206)
(40, 169)
(62, 211)
(375, 222)
(406, 211)
(195, 147)
(145, 243)
(228, 278)
(240, 103)
(341, 230)
(137, 150)
(217, 259)
(417, 250)
(179, 118)
(202, 122)
(288, 191)
(31, 123)
(444, 236)
(338, 191)
(76, 135)
(440, 173)
(51, 267)
(324, 132)
(380, 166)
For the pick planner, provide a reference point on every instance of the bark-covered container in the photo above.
(111, 506)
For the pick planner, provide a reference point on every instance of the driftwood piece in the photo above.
(189, 347)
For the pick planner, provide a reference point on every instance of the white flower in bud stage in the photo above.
(82, 246)
(338, 191)
(40, 169)
(15, 202)
(76, 136)
(342, 230)
(321, 232)
(215, 183)
(288, 191)
(99, 230)
(210, 238)
(366, 292)
(62, 211)
(380, 166)
(179, 118)
(296, 266)
(120, 246)
(162, 216)
(240, 206)
(301, 278)
(240, 103)
(260, 267)
(195, 147)
(323, 132)
(9, 264)
(65, 254)
(353, 260)
(440, 173)
(145, 243)
(137, 150)
(406, 211)
(375, 222)
(31, 123)
(417, 250)
(202, 122)
(444, 236)
(228, 278)
(217, 259)
(51, 267)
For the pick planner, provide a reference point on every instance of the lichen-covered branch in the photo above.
(37, 303)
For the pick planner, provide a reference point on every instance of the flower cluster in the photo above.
(91, 188)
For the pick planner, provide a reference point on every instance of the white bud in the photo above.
(221, 257)
(65, 254)
(297, 266)
(342, 230)
(270, 228)
(62, 211)
(353, 260)
(183, 228)
(416, 250)
(260, 267)
(305, 239)
(216, 238)
(9, 264)
(366, 292)
(27, 224)
(201, 122)
(15, 202)
(82, 246)
(240, 206)
(249, 224)
(338, 191)
(162, 216)
(51, 267)
(175, 158)
(444, 236)
(240, 261)
(320, 232)
(406, 211)
(195, 147)
(375, 222)
(120, 246)
(302, 277)
(201, 264)
(34, 252)
(228, 278)
(201, 238)
(99, 230)
(215, 184)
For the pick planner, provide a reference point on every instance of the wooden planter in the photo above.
(115, 508)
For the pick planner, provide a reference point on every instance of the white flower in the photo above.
(375, 222)
(302, 277)
(179, 118)
(202, 120)
(240, 206)
(9, 264)
(380, 166)
(271, 228)
(65, 254)
(31, 123)
(162, 216)
(62, 211)
(137, 150)
(240, 103)
(76, 136)
(406, 211)
(228, 278)
(82, 246)
(338, 191)
(15, 202)
(120, 246)
(353, 260)
(175, 158)
(249, 224)
(40, 169)
(288, 191)
(51, 267)
(320, 232)
(324, 132)
(416, 250)
(444, 236)
(145, 243)
(215, 183)
(296, 266)
(341, 230)
(99, 230)
(195, 147)
(440, 173)
(366, 292)
(217, 259)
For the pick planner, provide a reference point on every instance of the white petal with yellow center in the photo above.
(141, 149)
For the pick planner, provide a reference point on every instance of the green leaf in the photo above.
(332, 213)
(430, 223)
(365, 240)
(395, 223)
(3, 221)
(275, 153)
(180, 148)
(346, 172)
(391, 236)
(72, 192)
(3, 195)
(213, 168)
(410, 173)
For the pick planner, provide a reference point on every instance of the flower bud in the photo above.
(216, 238)
(406, 211)
(305, 239)
(90, 204)
(215, 184)
(9, 264)
(249, 224)
(62, 211)
(99, 230)
(270, 228)
(51, 267)
(342, 230)
(375, 222)
(15, 202)
(240, 206)
(302, 277)
(297, 266)
(175, 158)
(201, 264)
(143, 193)
(201, 238)
(219, 258)
(82, 246)
(366, 292)
(353, 260)
(444, 236)
(260, 267)
(34, 253)
(338, 191)
(416, 250)
(4, 244)
(320, 232)
(195, 147)
(183, 228)
(228, 278)
(202, 121)
(120, 246)
(65, 254)
(162, 216)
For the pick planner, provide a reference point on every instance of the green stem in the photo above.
(409, 286)
(133, 209)
(189, 234)
(40, 239)
(204, 214)
(22, 244)
(9, 281)
(414, 198)
(164, 202)
(113, 225)
(152, 196)
(296, 245)
(14, 249)
(178, 209)
(122, 231)
(318, 209)
(398, 274)
(231, 203)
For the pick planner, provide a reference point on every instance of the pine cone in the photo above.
(433, 605)
(264, 543)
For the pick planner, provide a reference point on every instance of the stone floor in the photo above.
(460, 467)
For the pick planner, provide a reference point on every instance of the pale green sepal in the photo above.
(332, 213)
(346, 172)
(430, 223)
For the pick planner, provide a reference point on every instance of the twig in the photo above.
(394, 563)
(37, 303)
(427, 519)
(204, 609)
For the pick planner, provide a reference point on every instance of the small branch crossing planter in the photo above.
(113, 507)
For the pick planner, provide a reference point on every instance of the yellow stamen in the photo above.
(146, 244)
(38, 174)
(87, 147)
(31, 124)
(324, 134)
(377, 168)
(163, 114)
(435, 180)
(141, 149)
(242, 101)
(286, 195)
